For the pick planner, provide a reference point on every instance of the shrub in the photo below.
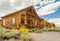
(2, 32)
(10, 39)
(15, 34)
(24, 30)
(12, 34)
(57, 29)
(27, 38)
(51, 29)
(38, 31)
(7, 33)
(32, 30)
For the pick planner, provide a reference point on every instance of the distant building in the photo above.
(45, 24)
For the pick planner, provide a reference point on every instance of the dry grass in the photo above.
(56, 29)
(11, 35)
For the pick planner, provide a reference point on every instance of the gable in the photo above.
(32, 10)
(29, 9)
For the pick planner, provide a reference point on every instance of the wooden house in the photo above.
(45, 24)
(42, 23)
(26, 16)
(0, 22)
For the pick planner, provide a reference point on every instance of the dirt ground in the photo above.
(46, 36)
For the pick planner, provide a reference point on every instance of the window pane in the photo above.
(3, 22)
(13, 20)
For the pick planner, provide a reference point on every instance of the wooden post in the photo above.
(20, 19)
(25, 21)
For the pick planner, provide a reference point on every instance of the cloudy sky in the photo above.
(47, 9)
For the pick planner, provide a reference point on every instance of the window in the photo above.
(22, 21)
(3, 22)
(35, 23)
(25, 22)
(40, 20)
(13, 20)
(22, 15)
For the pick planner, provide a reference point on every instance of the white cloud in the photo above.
(20, 2)
(7, 6)
(55, 20)
(44, 2)
(51, 8)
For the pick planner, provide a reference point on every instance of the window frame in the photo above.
(4, 22)
(13, 21)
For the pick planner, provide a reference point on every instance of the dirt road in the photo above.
(46, 36)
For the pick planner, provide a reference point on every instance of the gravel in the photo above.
(46, 36)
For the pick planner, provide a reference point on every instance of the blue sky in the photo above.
(50, 10)
(57, 0)
(53, 15)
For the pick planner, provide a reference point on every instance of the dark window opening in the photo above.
(22, 21)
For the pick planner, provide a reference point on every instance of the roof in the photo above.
(26, 8)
